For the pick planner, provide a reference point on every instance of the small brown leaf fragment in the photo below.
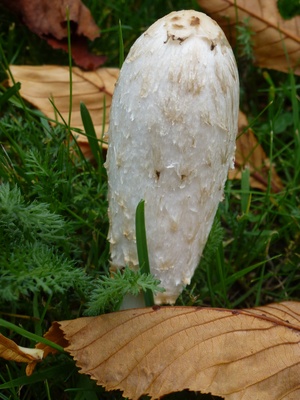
(48, 19)
(276, 42)
(240, 355)
(250, 154)
(9, 350)
(80, 54)
(55, 335)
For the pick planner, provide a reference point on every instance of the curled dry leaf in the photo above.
(250, 154)
(48, 19)
(9, 350)
(240, 355)
(276, 42)
(53, 337)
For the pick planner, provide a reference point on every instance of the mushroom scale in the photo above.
(172, 132)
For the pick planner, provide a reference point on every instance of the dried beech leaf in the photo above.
(276, 41)
(48, 19)
(250, 154)
(240, 355)
(41, 83)
(9, 350)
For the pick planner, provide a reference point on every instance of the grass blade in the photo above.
(142, 250)
(121, 46)
(9, 93)
(30, 335)
(91, 133)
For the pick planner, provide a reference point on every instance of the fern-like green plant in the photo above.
(32, 259)
(21, 222)
(110, 290)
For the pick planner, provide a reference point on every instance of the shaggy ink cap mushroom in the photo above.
(172, 132)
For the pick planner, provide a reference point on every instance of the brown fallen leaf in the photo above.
(276, 42)
(48, 19)
(250, 154)
(41, 83)
(9, 350)
(240, 355)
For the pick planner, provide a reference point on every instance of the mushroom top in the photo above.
(187, 54)
(188, 23)
(181, 26)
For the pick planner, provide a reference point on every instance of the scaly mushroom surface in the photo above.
(172, 132)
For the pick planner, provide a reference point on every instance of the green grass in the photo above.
(53, 209)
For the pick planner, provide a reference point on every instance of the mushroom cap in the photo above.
(172, 132)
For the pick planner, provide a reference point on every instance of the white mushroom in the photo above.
(173, 126)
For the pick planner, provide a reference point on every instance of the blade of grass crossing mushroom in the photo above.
(142, 250)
